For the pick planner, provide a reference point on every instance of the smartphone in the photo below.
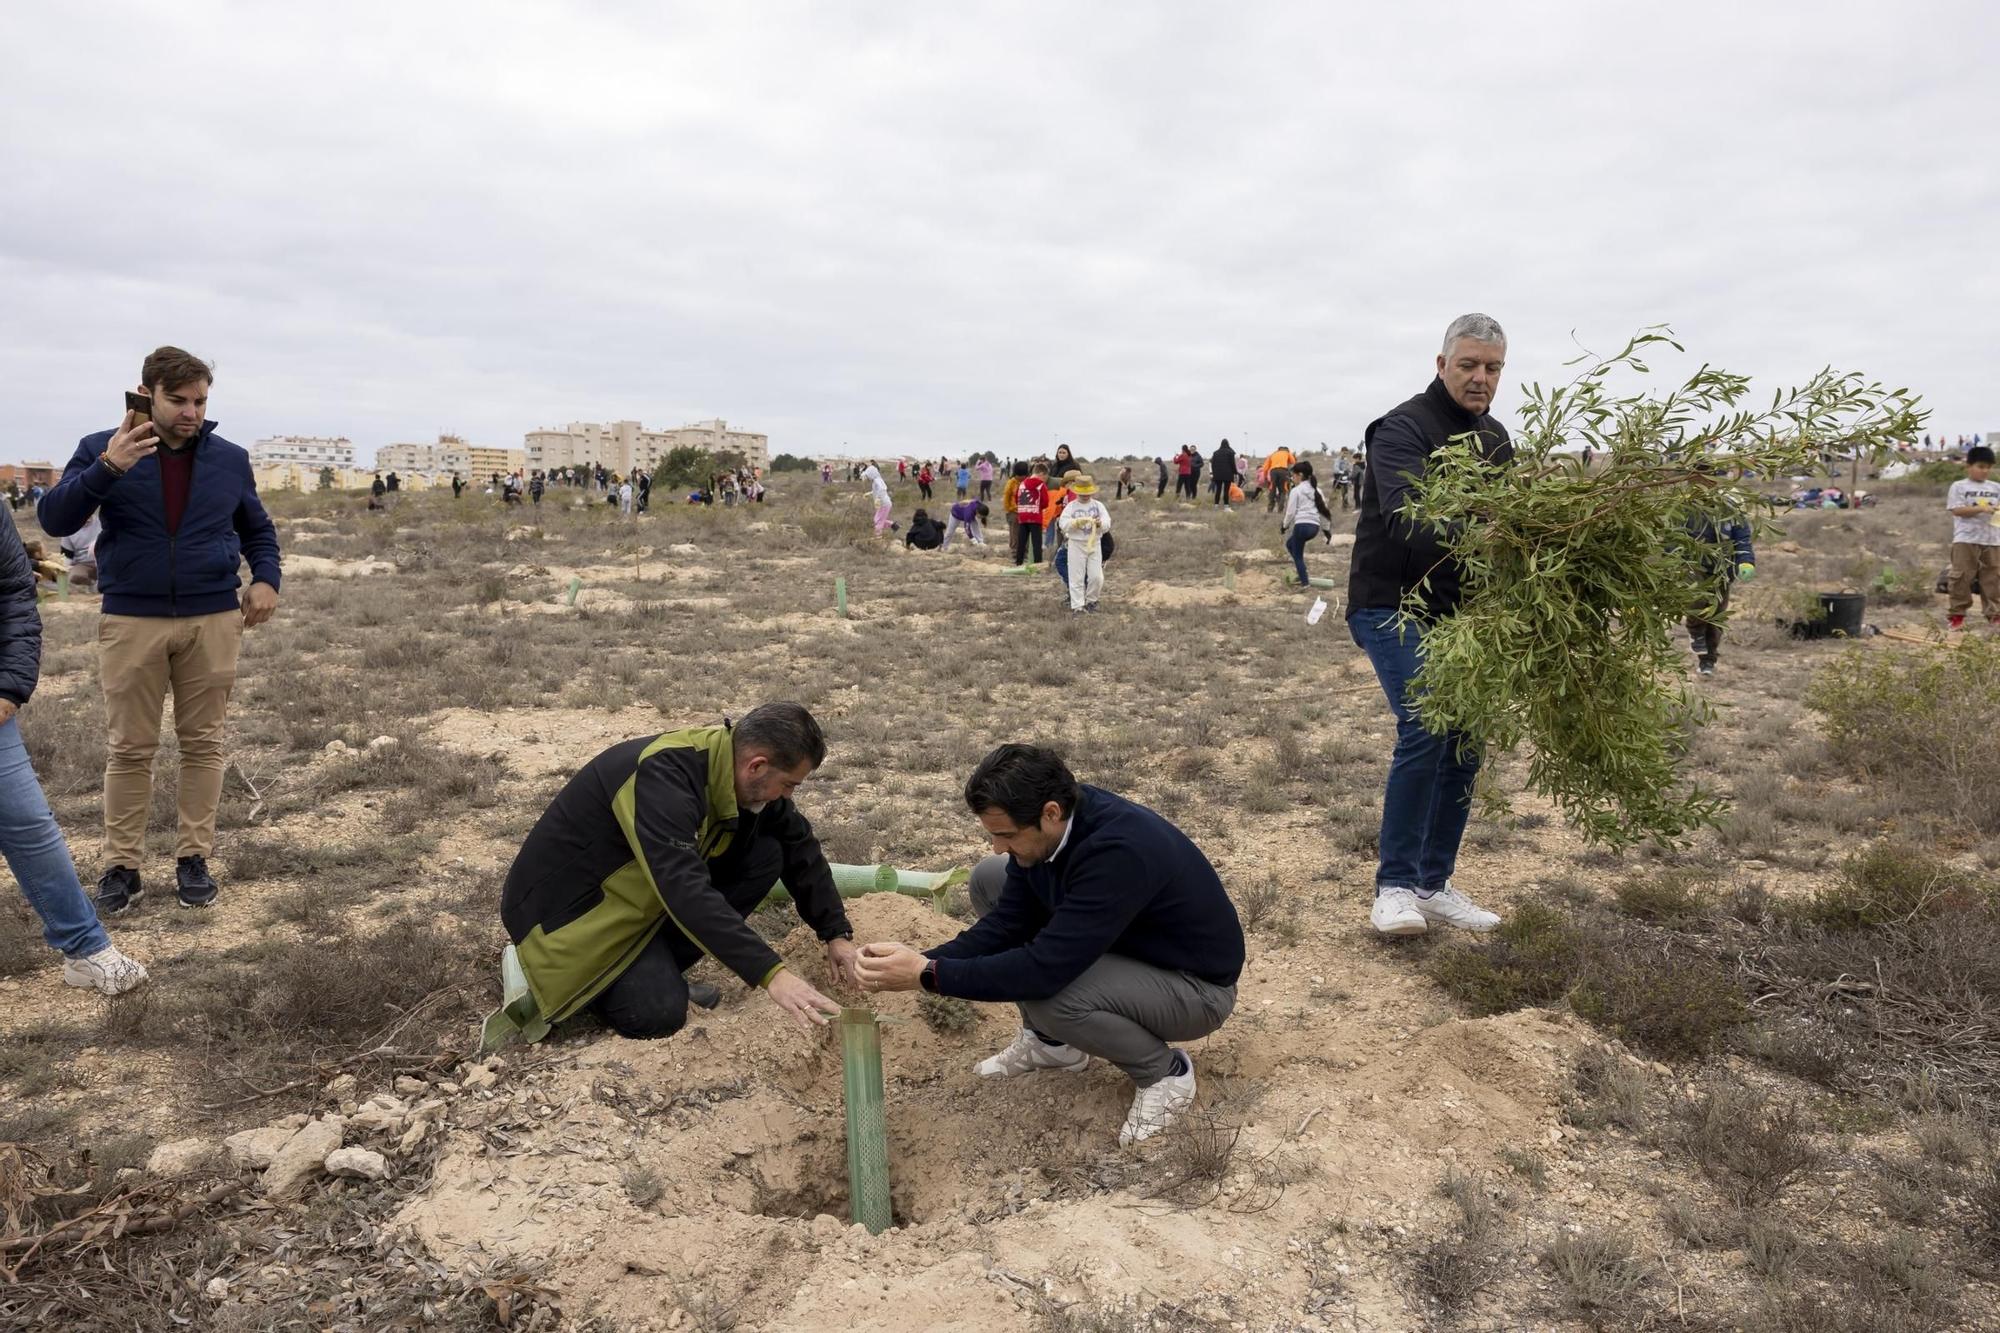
(140, 403)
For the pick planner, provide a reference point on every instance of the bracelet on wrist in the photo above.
(110, 466)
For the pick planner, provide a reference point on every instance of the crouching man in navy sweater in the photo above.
(1099, 919)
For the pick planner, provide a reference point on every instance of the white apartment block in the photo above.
(621, 446)
(450, 454)
(314, 450)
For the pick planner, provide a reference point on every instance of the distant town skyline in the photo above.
(946, 229)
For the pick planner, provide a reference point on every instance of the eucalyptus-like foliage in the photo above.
(1577, 580)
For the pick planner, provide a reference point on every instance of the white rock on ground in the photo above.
(359, 1163)
(302, 1157)
(181, 1157)
(341, 1087)
(381, 1114)
(255, 1148)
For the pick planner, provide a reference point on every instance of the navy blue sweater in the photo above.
(1128, 882)
(20, 619)
(140, 569)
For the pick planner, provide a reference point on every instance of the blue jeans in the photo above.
(38, 856)
(1428, 797)
(1295, 542)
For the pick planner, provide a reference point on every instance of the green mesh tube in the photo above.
(867, 1129)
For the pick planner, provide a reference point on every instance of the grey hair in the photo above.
(786, 732)
(1479, 328)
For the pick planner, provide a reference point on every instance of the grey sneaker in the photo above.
(1028, 1053)
(106, 971)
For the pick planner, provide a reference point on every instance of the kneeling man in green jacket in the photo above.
(654, 854)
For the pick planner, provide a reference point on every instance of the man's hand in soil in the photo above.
(890, 966)
(841, 956)
(134, 440)
(796, 996)
(259, 604)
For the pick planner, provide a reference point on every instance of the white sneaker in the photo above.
(1157, 1107)
(1029, 1053)
(107, 970)
(1396, 913)
(1453, 908)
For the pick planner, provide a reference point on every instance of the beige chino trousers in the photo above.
(139, 659)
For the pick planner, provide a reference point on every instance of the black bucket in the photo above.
(1843, 613)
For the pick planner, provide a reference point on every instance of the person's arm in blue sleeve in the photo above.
(67, 506)
(1012, 922)
(1100, 903)
(258, 534)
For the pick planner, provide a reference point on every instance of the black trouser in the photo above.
(1704, 634)
(1029, 533)
(1162, 490)
(1218, 489)
(986, 490)
(649, 999)
(924, 489)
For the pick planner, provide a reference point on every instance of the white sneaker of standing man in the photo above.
(1029, 1053)
(1396, 912)
(1447, 906)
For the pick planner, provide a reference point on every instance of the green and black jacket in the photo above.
(638, 841)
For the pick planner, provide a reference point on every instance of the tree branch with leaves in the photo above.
(1576, 578)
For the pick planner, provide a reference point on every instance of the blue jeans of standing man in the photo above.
(1428, 797)
(35, 851)
(1295, 542)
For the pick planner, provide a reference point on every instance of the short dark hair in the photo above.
(785, 732)
(1018, 780)
(170, 368)
(1978, 453)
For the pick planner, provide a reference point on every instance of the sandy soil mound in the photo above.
(711, 1167)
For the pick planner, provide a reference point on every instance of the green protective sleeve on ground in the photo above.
(1022, 569)
(840, 597)
(853, 881)
(1229, 577)
(1316, 581)
(867, 1127)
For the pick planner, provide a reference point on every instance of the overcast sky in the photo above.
(945, 227)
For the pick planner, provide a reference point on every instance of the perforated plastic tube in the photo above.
(867, 1128)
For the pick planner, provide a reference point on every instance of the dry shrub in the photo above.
(1452, 1269)
(1899, 718)
(946, 1015)
(1650, 989)
(1666, 898)
(1749, 1147)
(1888, 884)
(1606, 1090)
(1598, 1273)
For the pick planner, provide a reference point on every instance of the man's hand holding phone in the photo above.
(136, 438)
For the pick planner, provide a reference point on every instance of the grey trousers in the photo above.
(1120, 1009)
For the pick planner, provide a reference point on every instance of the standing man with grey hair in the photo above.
(1429, 792)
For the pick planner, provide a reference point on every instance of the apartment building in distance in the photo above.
(621, 446)
(450, 454)
(311, 450)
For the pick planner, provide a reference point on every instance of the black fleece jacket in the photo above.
(20, 621)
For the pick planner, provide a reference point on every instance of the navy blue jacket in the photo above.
(20, 622)
(140, 569)
(1127, 882)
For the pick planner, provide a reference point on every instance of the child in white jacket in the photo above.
(1084, 522)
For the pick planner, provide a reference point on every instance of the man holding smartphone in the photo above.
(180, 514)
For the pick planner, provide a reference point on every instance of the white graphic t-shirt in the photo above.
(1979, 529)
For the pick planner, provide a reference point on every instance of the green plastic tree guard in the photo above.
(574, 584)
(1029, 568)
(840, 596)
(1229, 577)
(867, 1129)
(853, 881)
(1316, 581)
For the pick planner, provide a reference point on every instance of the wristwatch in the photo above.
(927, 979)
